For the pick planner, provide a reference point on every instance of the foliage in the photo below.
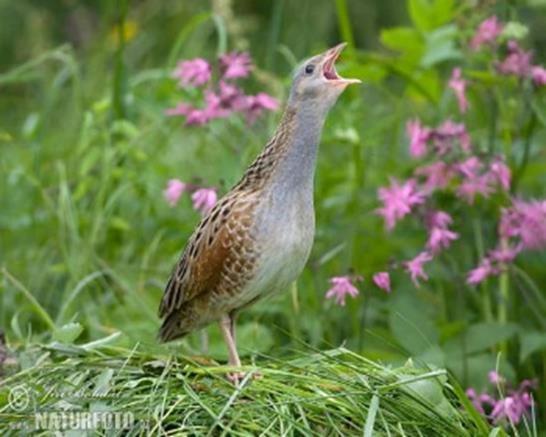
(334, 391)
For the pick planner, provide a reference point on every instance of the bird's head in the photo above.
(316, 82)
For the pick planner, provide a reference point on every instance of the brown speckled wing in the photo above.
(214, 260)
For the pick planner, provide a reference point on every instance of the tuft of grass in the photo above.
(336, 392)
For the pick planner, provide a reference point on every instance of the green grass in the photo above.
(335, 392)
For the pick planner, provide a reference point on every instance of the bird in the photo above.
(257, 239)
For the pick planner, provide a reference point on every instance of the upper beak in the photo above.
(329, 69)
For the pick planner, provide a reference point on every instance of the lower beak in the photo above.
(329, 70)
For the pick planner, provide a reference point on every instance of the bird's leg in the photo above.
(227, 326)
(232, 318)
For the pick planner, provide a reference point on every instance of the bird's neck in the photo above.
(288, 160)
(297, 158)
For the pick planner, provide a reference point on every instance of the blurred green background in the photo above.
(86, 150)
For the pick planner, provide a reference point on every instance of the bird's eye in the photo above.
(309, 69)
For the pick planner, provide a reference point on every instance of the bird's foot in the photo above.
(236, 377)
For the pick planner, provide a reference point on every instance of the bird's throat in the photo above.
(297, 155)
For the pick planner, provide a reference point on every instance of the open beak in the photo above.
(329, 70)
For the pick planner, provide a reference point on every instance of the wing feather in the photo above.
(210, 253)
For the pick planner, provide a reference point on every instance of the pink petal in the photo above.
(538, 74)
(174, 190)
(458, 85)
(204, 199)
(193, 72)
(235, 65)
(383, 281)
(488, 31)
(418, 135)
(415, 267)
(341, 286)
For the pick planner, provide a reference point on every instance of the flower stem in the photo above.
(345, 22)
(526, 149)
(504, 294)
(119, 83)
(486, 302)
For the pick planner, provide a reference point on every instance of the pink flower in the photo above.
(538, 74)
(480, 273)
(493, 264)
(488, 31)
(200, 116)
(470, 167)
(204, 199)
(473, 182)
(229, 94)
(517, 62)
(512, 408)
(197, 117)
(469, 188)
(257, 104)
(180, 109)
(235, 65)
(194, 72)
(438, 175)
(475, 399)
(383, 281)
(504, 255)
(438, 219)
(415, 267)
(495, 378)
(216, 107)
(445, 134)
(265, 101)
(439, 236)
(526, 221)
(500, 173)
(458, 85)
(440, 239)
(418, 135)
(174, 190)
(341, 286)
(398, 200)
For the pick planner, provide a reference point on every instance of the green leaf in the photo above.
(479, 337)
(514, 30)
(404, 40)
(531, 342)
(102, 383)
(89, 161)
(370, 418)
(366, 72)
(425, 83)
(30, 126)
(472, 371)
(497, 432)
(430, 14)
(410, 325)
(485, 335)
(538, 103)
(119, 223)
(125, 129)
(254, 337)
(440, 46)
(68, 333)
